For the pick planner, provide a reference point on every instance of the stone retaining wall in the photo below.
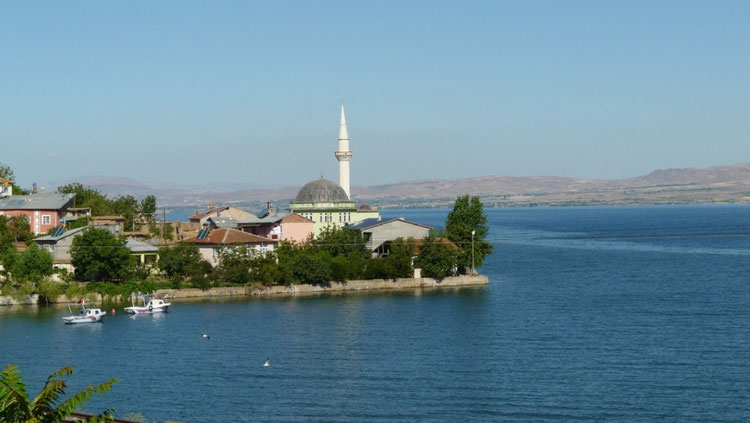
(288, 291)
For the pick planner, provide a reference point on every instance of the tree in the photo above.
(127, 207)
(7, 173)
(33, 265)
(436, 259)
(86, 196)
(313, 267)
(17, 407)
(265, 270)
(148, 208)
(339, 241)
(399, 258)
(467, 216)
(234, 264)
(6, 235)
(19, 228)
(98, 254)
(180, 260)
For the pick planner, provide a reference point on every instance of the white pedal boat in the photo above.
(85, 315)
(153, 305)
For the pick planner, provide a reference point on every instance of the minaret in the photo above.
(343, 155)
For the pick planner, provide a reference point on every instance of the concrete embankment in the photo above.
(404, 284)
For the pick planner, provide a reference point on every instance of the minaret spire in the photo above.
(343, 155)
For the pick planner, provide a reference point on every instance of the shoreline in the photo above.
(355, 286)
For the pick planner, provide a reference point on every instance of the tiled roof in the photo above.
(295, 218)
(227, 236)
(202, 215)
(419, 242)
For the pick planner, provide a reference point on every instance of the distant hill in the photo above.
(724, 184)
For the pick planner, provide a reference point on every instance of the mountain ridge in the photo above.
(726, 183)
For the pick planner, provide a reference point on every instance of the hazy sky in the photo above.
(225, 93)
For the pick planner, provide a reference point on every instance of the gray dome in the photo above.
(321, 191)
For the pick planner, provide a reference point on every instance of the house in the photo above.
(142, 252)
(378, 232)
(114, 220)
(285, 226)
(224, 211)
(43, 211)
(210, 242)
(59, 242)
(222, 222)
(75, 213)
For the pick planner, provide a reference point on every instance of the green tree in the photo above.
(19, 228)
(32, 265)
(467, 216)
(7, 173)
(17, 407)
(179, 260)
(98, 254)
(148, 208)
(400, 256)
(6, 235)
(265, 270)
(436, 259)
(127, 207)
(234, 265)
(13, 229)
(86, 196)
(312, 266)
(338, 241)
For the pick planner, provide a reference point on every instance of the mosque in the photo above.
(328, 203)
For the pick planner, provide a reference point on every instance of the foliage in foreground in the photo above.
(16, 406)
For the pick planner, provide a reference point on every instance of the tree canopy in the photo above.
(13, 229)
(98, 254)
(32, 265)
(7, 173)
(436, 259)
(467, 216)
(126, 205)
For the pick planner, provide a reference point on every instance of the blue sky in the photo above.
(243, 93)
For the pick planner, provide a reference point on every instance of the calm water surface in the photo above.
(593, 314)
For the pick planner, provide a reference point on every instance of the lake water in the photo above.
(592, 314)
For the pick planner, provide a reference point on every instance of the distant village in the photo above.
(56, 219)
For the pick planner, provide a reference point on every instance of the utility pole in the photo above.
(473, 270)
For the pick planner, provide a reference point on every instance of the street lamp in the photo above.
(473, 271)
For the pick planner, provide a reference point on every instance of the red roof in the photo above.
(226, 236)
(201, 215)
(419, 242)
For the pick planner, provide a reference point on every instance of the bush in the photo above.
(49, 291)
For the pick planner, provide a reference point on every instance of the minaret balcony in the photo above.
(344, 156)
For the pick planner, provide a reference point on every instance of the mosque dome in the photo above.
(321, 191)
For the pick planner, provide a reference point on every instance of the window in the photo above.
(46, 219)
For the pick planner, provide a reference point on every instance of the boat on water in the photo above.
(85, 315)
(150, 305)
